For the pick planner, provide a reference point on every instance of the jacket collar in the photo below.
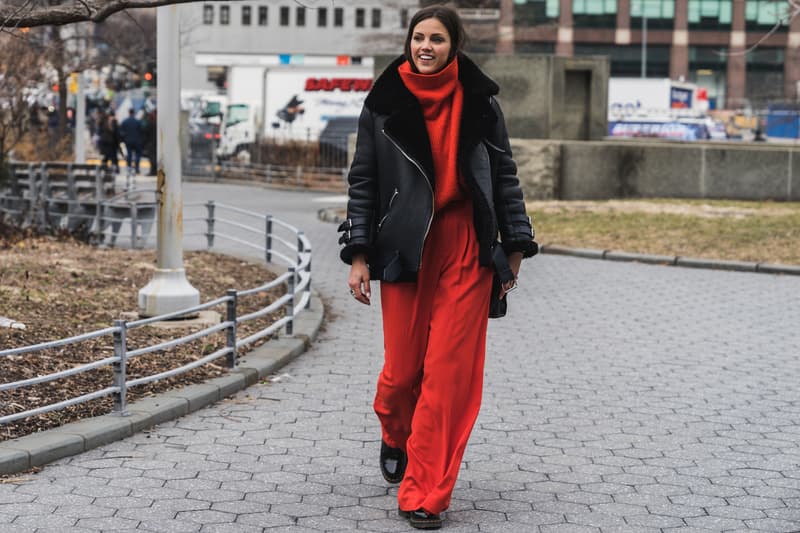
(389, 94)
(406, 123)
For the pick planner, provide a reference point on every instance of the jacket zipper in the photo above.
(430, 187)
(388, 207)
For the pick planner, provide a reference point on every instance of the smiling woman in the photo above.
(432, 185)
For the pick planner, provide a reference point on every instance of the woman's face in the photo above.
(430, 46)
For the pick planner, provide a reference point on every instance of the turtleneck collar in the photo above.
(430, 88)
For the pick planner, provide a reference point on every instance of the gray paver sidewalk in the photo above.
(618, 397)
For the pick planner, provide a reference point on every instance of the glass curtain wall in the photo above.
(660, 14)
(764, 15)
(710, 15)
(535, 12)
(594, 13)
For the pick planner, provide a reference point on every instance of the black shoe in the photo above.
(393, 463)
(420, 519)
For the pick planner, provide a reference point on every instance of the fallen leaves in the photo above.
(94, 287)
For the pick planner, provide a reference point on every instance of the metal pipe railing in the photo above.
(295, 252)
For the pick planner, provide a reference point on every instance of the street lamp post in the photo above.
(169, 290)
(644, 42)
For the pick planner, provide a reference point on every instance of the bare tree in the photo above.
(21, 70)
(30, 13)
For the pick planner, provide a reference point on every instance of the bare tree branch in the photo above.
(72, 11)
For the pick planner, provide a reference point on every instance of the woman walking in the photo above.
(431, 186)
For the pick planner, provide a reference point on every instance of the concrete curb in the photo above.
(38, 449)
(328, 214)
(689, 262)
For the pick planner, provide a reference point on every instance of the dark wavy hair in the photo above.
(449, 19)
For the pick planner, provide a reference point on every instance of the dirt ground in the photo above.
(57, 287)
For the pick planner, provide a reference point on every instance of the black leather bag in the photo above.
(502, 274)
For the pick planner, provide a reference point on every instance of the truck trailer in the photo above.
(289, 101)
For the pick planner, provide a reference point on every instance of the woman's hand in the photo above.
(514, 261)
(359, 279)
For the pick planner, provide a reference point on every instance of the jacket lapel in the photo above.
(407, 128)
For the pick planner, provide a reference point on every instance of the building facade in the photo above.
(746, 52)
(218, 34)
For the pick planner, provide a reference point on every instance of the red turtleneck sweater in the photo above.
(441, 97)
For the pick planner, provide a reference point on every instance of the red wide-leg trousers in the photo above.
(429, 391)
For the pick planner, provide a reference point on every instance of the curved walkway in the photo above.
(618, 397)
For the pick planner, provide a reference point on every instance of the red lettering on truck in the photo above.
(343, 84)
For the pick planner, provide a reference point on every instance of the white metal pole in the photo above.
(169, 290)
(80, 122)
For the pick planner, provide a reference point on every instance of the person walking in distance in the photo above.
(109, 140)
(133, 136)
(431, 186)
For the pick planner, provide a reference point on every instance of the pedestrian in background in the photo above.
(132, 135)
(109, 140)
(431, 186)
(149, 140)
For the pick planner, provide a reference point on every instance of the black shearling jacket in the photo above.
(391, 180)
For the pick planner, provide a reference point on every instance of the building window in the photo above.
(535, 12)
(660, 14)
(262, 15)
(626, 61)
(708, 68)
(764, 15)
(300, 16)
(765, 76)
(594, 13)
(338, 17)
(360, 17)
(322, 17)
(710, 14)
(376, 18)
(246, 13)
(208, 14)
(403, 18)
(284, 16)
(224, 15)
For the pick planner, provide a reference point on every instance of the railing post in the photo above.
(268, 246)
(230, 332)
(210, 222)
(290, 284)
(299, 246)
(308, 286)
(120, 368)
(98, 179)
(134, 223)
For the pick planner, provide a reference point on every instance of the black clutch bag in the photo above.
(502, 274)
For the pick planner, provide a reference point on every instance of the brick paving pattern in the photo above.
(619, 398)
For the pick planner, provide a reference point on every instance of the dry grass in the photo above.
(747, 231)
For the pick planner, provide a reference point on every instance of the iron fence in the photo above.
(81, 199)
(281, 241)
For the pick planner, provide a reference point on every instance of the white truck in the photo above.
(661, 108)
(654, 96)
(288, 101)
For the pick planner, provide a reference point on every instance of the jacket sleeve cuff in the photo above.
(352, 250)
(356, 237)
(529, 248)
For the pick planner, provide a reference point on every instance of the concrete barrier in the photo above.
(598, 170)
